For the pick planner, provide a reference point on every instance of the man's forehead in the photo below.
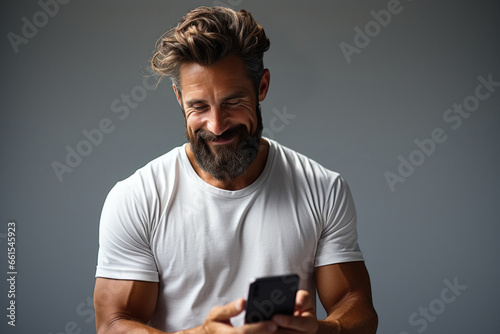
(229, 67)
(227, 72)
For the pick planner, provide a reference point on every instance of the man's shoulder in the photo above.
(300, 163)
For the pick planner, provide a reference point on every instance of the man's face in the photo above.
(223, 122)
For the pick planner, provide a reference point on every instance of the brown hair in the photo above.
(207, 34)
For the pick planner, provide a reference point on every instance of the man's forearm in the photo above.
(121, 326)
(135, 327)
(353, 315)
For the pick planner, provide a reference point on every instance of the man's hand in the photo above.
(304, 318)
(218, 321)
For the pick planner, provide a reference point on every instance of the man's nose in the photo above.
(218, 121)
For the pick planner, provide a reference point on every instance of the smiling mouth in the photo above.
(222, 141)
(227, 137)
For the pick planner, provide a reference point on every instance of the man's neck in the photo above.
(242, 181)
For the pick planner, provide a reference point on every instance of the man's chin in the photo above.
(225, 158)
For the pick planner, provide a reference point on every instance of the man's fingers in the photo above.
(225, 312)
(303, 301)
(303, 321)
(260, 327)
(219, 321)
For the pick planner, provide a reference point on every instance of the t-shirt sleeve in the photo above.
(124, 248)
(339, 240)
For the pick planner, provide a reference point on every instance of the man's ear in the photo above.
(177, 94)
(264, 85)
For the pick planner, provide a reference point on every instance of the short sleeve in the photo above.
(124, 247)
(339, 240)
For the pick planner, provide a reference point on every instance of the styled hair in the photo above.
(207, 34)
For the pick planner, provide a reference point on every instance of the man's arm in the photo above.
(124, 306)
(345, 292)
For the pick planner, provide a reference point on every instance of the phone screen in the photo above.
(272, 295)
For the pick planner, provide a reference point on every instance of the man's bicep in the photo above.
(123, 299)
(335, 282)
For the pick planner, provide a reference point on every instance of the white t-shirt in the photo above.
(204, 244)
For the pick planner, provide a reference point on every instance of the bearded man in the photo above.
(181, 238)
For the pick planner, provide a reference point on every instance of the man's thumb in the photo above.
(224, 313)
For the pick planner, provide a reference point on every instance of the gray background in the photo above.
(355, 118)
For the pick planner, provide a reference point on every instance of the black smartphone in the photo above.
(271, 295)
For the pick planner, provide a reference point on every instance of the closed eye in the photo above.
(232, 103)
(199, 107)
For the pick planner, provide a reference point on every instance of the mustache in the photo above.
(228, 134)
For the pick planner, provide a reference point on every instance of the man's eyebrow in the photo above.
(236, 95)
(192, 102)
(233, 96)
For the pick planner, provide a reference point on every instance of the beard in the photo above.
(228, 161)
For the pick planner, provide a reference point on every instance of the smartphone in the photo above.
(271, 295)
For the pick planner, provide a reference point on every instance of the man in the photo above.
(182, 237)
